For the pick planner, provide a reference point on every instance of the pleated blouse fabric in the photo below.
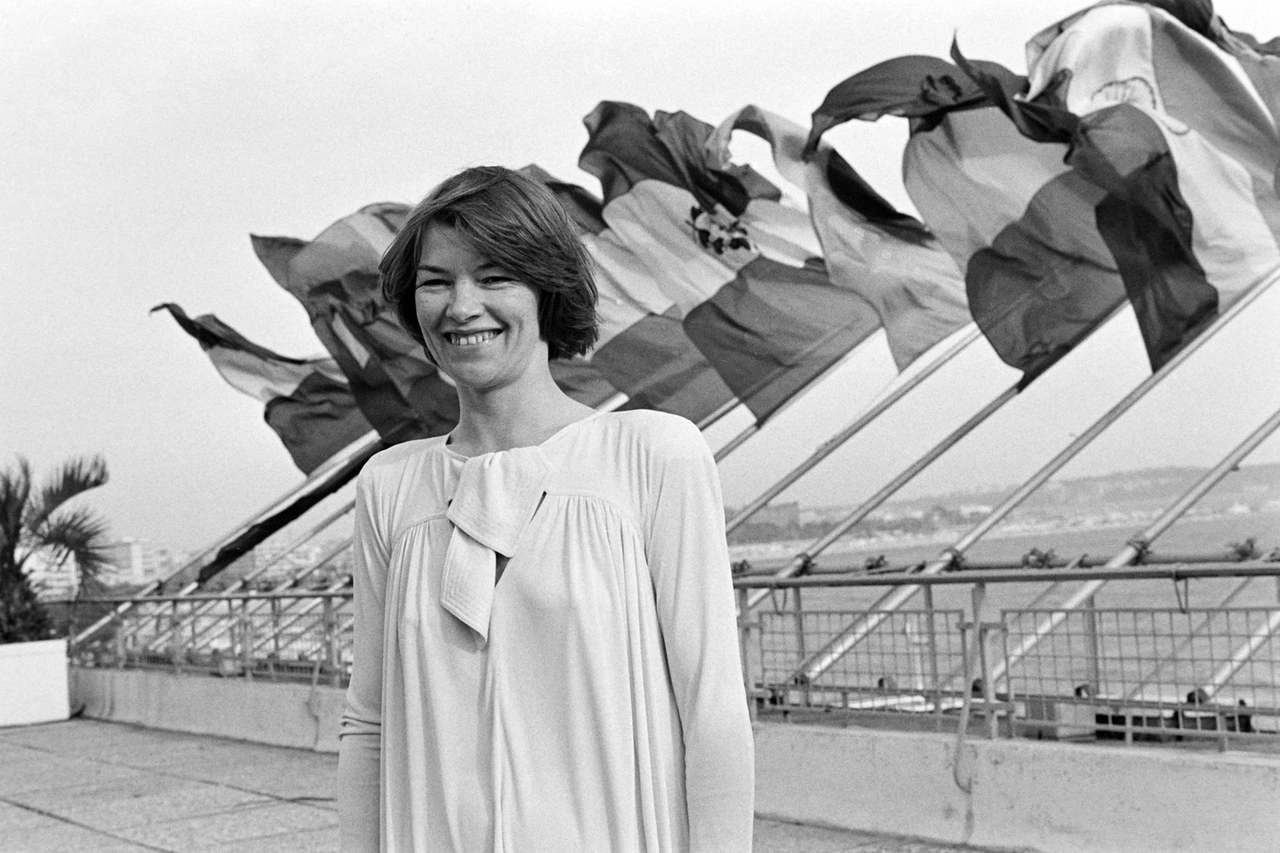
(589, 700)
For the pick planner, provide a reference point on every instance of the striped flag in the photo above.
(888, 258)
(308, 401)
(701, 263)
(335, 277)
(1173, 127)
(1015, 218)
(1136, 161)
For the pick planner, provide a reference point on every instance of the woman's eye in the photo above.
(433, 283)
(498, 278)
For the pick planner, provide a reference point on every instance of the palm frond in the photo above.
(79, 534)
(75, 477)
(15, 491)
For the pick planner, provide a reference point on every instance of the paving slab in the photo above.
(137, 801)
(88, 785)
(252, 822)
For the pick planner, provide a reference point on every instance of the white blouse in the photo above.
(589, 700)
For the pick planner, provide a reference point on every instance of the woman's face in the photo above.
(480, 323)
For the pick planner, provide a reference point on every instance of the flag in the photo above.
(335, 277)
(643, 350)
(308, 401)
(887, 257)
(695, 249)
(1018, 221)
(1173, 127)
(1136, 160)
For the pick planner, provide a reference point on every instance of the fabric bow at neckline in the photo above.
(494, 501)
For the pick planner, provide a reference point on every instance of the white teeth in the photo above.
(473, 338)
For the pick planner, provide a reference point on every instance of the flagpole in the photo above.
(755, 427)
(834, 442)
(858, 631)
(1132, 551)
(240, 583)
(725, 408)
(802, 560)
(365, 446)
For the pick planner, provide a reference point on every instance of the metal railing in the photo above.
(278, 636)
(1179, 675)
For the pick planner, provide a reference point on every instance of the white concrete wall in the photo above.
(33, 682)
(281, 714)
(1021, 795)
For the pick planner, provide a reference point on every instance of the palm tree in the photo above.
(36, 522)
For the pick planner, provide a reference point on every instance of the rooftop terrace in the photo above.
(86, 785)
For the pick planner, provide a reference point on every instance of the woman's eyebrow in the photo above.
(485, 267)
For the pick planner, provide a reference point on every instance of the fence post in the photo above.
(246, 640)
(274, 656)
(1093, 647)
(175, 650)
(979, 600)
(797, 611)
(934, 676)
(744, 651)
(331, 641)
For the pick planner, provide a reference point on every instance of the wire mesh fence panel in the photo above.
(908, 661)
(287, 638)
(1147, 674)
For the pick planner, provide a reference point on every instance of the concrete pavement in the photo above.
(97, 787)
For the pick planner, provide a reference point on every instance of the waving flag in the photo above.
(888, 258)
(308, 401)
(335, 277)
(1174, 129)
(694, 249)
(1015, 218)
(1137, 161)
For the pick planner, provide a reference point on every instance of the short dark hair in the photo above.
(518, 224)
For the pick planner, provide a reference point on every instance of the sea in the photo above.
(1128, 638)
(1196, 535)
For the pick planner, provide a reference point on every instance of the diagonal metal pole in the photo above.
(832, 444)
(1135, 548)
(860, 629)
(742, 437)
(802, 560)
(239, 584)
(366, 445)
(1243, 654)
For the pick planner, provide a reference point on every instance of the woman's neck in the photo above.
(516, 416)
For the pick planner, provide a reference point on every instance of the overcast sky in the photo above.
(142, 142)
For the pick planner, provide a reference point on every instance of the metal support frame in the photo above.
(859, 630)
(318, 479)
(798, 564)
(1139, 543)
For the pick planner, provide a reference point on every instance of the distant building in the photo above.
(137, 561)
(779, 515)
(53, 580)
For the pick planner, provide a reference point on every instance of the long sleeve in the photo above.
(689, 561)
(360, 748)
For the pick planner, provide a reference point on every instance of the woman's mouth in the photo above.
(470, 339)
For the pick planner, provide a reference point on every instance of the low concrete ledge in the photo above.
(1019, 794)
(1016, 795)
(261, 711)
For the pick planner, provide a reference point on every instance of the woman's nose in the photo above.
(464, 300)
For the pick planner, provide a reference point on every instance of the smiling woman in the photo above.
(546, 655)
(479, 322)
